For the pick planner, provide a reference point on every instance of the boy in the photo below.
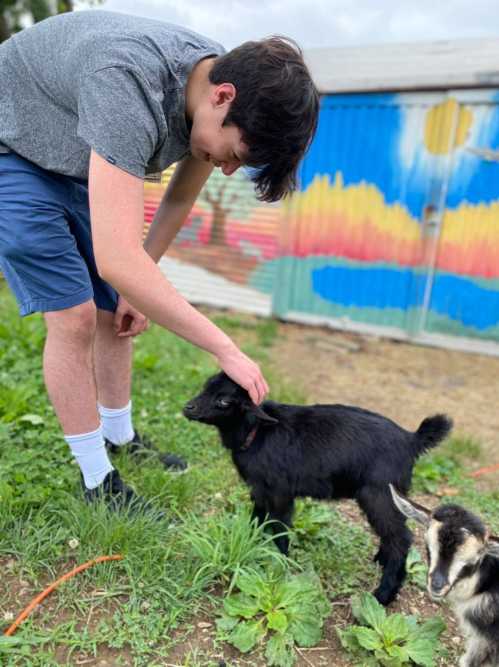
(91, 103)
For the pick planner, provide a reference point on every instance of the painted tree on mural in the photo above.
(232, 196)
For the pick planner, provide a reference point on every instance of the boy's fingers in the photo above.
(260, 391)
(253, 392)
(118, 321)
(123, 323)
(132, 326)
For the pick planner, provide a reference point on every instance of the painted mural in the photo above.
(396, 223)
(397, 220)
(227, 237)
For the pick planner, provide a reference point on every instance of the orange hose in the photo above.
(485, 471)
(36, 601)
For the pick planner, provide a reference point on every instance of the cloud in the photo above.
(322, 23)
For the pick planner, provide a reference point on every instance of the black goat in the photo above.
(283, 452)
(464, 567)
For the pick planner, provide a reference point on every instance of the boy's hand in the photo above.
(245, 372)
(128, 321)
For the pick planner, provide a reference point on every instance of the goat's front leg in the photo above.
(477, 654)
(472, 660)
(259, 508)
(281, 508)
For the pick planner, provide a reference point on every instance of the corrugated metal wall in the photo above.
(394, 229)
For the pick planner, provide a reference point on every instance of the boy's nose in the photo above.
(229, 168)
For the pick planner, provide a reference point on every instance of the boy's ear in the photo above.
(223, 93)
(259, 413)
(409, 508)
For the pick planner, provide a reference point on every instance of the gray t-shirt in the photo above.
(101, 80)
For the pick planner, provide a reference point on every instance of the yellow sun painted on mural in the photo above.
(447, 125)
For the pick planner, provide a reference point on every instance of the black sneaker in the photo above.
(139, 445)
(114, 492)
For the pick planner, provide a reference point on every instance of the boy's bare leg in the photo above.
(68, 367)
(113, 363)
(113, 369)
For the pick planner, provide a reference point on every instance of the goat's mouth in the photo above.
(190, 414)
(195, 416)
(438, 596)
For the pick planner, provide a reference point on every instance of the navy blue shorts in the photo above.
(46, 252)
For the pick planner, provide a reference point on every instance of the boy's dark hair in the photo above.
(276, 107)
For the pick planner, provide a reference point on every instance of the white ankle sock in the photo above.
(117, 424)
(91, 455)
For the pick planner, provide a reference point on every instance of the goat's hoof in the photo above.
(384, 597)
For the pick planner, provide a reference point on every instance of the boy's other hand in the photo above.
(128, 321)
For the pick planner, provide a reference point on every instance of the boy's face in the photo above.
(211, 140)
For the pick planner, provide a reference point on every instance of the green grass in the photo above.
(446, 464)
(172, 570)
(135, 611)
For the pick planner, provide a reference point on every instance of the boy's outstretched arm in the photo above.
(117, 216)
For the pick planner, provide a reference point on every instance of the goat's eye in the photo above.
(223, 403)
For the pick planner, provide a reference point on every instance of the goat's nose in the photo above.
(438, 582)
(189, 407)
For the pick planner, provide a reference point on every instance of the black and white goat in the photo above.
(283, 452)
(464, 567)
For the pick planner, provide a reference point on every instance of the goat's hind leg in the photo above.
(395, 539)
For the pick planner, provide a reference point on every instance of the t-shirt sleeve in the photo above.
(119, 118)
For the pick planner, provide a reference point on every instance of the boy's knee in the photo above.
(76, 324)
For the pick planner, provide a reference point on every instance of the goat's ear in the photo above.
(409, 508)
(259, 413)
(492, 547)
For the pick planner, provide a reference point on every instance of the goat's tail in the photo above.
(431, 431)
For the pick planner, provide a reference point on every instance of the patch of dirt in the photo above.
(15, 593)
(402, 381)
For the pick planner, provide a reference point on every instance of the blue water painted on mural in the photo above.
(364, 288)
(464, 301)
(457, 298)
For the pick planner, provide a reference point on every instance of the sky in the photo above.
(323, 23)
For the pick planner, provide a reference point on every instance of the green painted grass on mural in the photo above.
(295, 292)
(445, 325)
